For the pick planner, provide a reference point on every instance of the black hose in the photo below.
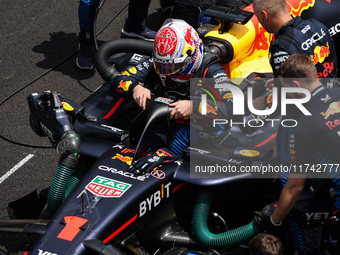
(101, 60)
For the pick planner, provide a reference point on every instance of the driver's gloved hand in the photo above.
(263, 220)
(148, 163)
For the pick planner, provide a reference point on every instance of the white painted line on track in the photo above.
(16, 167)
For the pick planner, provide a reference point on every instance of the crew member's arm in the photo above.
(288, 197)
(278, 55)
(301, 150)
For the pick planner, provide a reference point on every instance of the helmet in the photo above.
(178, 50)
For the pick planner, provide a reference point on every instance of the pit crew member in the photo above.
(297, 35)
(315, 141)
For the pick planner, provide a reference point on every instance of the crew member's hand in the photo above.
(148, 163)
(140, 95)
(263, 220)
(182, 109)
(270, 84)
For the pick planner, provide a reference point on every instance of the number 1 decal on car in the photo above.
(72, 228)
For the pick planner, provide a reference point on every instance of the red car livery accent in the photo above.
(296, 7)
(72, 228)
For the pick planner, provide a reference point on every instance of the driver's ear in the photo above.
(264, 14)
(296, 84)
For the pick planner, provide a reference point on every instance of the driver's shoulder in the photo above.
(215, 70)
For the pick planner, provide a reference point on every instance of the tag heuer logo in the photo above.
(164, 100)
(105, 187)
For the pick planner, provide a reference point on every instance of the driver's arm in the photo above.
(182, 109)
(131, 80)
(140, 95)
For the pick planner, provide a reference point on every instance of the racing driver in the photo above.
(178, 55)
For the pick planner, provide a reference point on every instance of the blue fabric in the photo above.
(86, 13)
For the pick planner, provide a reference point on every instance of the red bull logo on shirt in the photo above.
(320, 53)
(333, 108)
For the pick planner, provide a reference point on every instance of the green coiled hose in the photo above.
(222, 240)
(74, 179)
(67, 176)
(81, 168)
(58, 187)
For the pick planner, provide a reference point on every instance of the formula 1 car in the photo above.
(96, 205)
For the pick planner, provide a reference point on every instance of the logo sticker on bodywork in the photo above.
(158, 174)
(67, 107)
(125, 159)
(164, 100)
(250, 153)
(105, 187)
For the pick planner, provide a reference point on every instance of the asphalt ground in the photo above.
(38, 46)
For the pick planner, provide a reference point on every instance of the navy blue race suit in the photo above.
(140, 70)
(327, 12)
(313, 146)
(86, 13)
(308, 37)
